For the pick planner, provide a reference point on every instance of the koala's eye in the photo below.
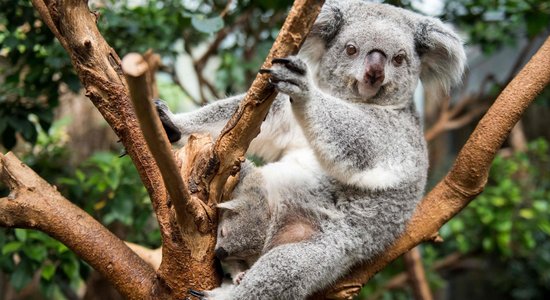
(351, 49)
(398, 59)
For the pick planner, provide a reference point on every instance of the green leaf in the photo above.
(48, 271)
(487, 244)
(503, 226)
(36, 252)
(503, 241)
(11, 247)
(61, 248)
(71, 269)
(498, 201)
(527, 213)
(21, 277)
(540, 205)
(207, 25)
(544, 225)
(21, 234)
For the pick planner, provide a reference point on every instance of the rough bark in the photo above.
(468, 175)
(186, 262)
(35, 204)
(99, 70)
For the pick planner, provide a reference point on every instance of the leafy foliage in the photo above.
(108, 187)
(510, 223)
(32, 66)
(492, 24)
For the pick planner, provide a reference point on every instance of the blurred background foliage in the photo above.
(497, 248)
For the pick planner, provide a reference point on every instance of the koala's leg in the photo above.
(294, 271)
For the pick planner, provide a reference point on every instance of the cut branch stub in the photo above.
(468, 175)
(187, 210)
(194, 217)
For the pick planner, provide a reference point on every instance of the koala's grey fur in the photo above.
(347, 161)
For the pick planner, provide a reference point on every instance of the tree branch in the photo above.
(469, 174)
(135, 70)
(99, 70)
(416, 275)
(35, 204)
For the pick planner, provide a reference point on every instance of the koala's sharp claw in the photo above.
(283, 61)
(265, 71)
(198, 294)
(291, 64)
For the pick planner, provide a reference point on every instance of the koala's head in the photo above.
(375, 53)
(242, 227)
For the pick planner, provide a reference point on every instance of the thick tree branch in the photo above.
(33, 203)
(98, 67)
(468, 175)
(136, 69)
(185, 264)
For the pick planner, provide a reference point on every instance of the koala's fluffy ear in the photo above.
(442, 55)
(326, 27)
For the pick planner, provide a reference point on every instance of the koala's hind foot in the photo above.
(289, 76)
(165, 115)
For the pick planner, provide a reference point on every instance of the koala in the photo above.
(242, 226)
(346, 161)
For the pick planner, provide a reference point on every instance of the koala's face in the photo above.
(372, 62)
(242, 229)
(376, 53)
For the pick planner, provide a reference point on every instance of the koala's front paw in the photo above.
(165, 115)
(289, 76)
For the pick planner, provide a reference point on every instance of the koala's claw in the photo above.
(264, 71)
(172, 131)
(198, 294)
(288, 75)
(280, 61)
(295, 65)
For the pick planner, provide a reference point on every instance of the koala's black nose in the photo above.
(220, 253)
(374, 67)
